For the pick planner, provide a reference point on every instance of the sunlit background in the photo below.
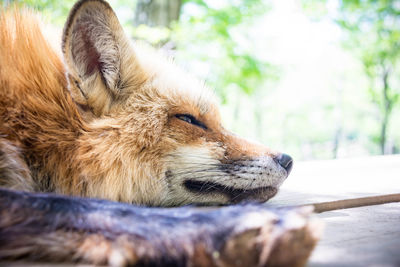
(315, 79)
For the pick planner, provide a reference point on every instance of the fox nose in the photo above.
(285, 161)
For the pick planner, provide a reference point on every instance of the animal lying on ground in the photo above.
(116, 121)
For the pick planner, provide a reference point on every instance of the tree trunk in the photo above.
(387, 108)
(157, 12)
(339, 122)
(336, 142)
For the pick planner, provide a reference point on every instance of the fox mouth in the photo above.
(234, 194)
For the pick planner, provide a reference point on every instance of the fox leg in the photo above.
(52, 228)
(14, 173)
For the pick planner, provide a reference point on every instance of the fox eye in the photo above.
(192, 120)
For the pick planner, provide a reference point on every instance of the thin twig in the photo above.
(354, 202)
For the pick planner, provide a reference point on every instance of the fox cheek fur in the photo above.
(126, 124)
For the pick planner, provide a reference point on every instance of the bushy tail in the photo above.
(50, 228)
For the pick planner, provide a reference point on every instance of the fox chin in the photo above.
(116, 120)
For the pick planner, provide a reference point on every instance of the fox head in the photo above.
(154, 133)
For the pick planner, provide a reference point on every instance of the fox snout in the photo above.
(229, 170)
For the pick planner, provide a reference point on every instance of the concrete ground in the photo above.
(368, 236)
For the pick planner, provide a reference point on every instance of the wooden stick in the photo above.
(354, 202)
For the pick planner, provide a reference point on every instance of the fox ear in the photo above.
(99, 56)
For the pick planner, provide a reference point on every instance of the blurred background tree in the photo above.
(316, 79)
(157, 12)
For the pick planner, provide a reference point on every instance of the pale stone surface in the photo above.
(368, 236)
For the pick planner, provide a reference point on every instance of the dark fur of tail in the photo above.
(52, 228)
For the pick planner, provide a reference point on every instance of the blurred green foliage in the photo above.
(212, 34)
(55, 11)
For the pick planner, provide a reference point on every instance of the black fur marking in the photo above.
(192, 120)
(236, 195)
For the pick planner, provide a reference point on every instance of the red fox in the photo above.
(115, 120)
